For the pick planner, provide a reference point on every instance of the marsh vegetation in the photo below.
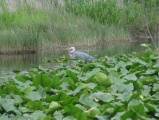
(31, 26)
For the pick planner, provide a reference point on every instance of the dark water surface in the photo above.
(8, 63)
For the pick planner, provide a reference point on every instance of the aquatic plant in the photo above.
(118, 87)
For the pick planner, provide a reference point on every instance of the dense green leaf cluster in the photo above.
(120, 87)
(127, 13)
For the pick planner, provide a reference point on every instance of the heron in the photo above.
(73, 53)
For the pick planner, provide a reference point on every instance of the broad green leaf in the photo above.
(32, 95)
(102, 117)
(64, 98)
(55, 80)
(7, 104)
(88, 74)
(121, 64)
(42, 80)
(131, 76)
(118, 116)
(137, 60)
(73, 74)
(125, 96)
(34, 105)
(69, 118)
(58, 117)
(10, 88)
(129, 87)
(22, 78)
(5, 117)
(34, 116)
(105, 97)
(156, 65)
(72, 110)
(74, 92)
(123, 71)
(86, 100)
(157, 115)
(156, 95)
(155, 87)
(149, 71)
(118, 87)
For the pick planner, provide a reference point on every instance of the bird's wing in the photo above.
(85, 56)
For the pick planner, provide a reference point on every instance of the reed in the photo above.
(33, 26)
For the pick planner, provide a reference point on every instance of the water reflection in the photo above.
(28, 61)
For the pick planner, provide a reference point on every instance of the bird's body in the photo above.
(73, 53)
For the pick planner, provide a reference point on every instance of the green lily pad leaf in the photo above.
(135, 111)
(86, 100)
(72, 110)
(121, 64)
(140, 111)
(10, 88)
(64, 98)
(88, 74)
(125, 96)
(157, 115)
(75, 111)
(69, 118)
(156, 95)
(24, 109)
(123, 71)
(35, 105)
(105, 97)
(22, 78)
(65, 85)
(53, 106)
(34, 116)
(7, 104)
(155, 87)
(5, 117)
(129, 87)
(32, 95)
(102, 117)
(131, 76)
(91, 85)
(149, 71)
(134, 102)
(137, 60)
(73, 74)
(58, 117)
(77, 90)
(156, 65)
(18, 99)
(42, 80)
(81, 107)
(118, 115)
(118, 87)
(55, 81)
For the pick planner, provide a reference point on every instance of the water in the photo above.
(8, 63)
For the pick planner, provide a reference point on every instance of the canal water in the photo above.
(22, 62)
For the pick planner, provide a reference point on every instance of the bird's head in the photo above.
(71, 49)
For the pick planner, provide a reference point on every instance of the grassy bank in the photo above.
(36, 26)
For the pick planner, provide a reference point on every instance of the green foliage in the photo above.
(104, 12)
(128, 90)
(30, 29)
(126, 13)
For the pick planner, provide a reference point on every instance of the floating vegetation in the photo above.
(120, 87)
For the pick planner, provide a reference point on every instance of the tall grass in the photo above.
(127, 13)
(39, 25)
